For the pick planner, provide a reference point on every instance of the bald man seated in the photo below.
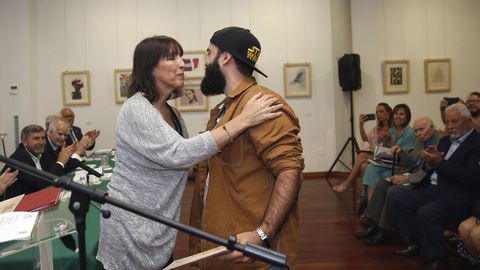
(75, 133)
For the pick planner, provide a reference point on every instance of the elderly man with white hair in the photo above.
(450, 192)
(380, 210)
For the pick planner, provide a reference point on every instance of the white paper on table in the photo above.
(103, 151)
(106, 176)
(93, 180)
(65, 195)
(10, 204)
(99, 170)
(17, 225)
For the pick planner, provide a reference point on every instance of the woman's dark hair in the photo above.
(407, 112)
(146, 56)
(389, 111)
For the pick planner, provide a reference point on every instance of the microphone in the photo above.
(89, 170)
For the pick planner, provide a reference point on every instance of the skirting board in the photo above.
(317, 175)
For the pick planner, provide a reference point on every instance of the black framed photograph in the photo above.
(395, 76)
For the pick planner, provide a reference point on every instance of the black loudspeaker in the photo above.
(349, 73)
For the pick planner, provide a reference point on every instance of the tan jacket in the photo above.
(242, 178)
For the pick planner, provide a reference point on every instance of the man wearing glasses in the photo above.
(75, 133)
(473, 105)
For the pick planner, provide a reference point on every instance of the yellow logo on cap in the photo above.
(253, 54)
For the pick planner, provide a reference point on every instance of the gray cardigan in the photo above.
(150, 172)
(414, 160)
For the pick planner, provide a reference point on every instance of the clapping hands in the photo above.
(432, 155)
(7, 179)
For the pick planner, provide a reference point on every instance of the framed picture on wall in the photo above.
(192, 99)
(297, 80)
(395, 76)
(122, 79)
(438, 74)
(76, 88)
(194, 63)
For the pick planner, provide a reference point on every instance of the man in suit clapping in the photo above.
(450, 191)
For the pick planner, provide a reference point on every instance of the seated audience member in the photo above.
(380, 209)
(469, 231)
(7, 178)
(473, 105)
(30, 151)
(384, 118)
(49, 120)
(75, 133)
(450, 192)
(401, 135)
(56, 137)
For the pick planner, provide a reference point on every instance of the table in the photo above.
(63, 258)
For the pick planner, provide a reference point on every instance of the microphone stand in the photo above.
(80, 202)
(2, 136)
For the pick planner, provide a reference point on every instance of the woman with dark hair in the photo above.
(384, 117)
(400, 137)
(153, 154)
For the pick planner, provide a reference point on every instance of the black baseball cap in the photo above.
(242, 44)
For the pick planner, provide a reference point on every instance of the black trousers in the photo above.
(422, 215)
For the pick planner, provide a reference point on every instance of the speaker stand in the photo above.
(351, 140)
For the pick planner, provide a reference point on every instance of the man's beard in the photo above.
(37, 150)
(214, 81)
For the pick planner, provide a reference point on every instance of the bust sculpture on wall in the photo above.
(77, 85)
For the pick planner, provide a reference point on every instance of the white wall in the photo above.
(16, 66)
(47, 37)
(42, 38)
(416, 30)
(341, 44)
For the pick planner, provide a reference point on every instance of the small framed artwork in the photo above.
(297, 80)
(194, 64)
(395, 76)
(438, 74)
(76, 88)
(122, 79)
(192, 99)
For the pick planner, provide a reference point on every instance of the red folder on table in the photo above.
(39, 200)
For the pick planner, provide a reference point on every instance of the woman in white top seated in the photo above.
(384, 118)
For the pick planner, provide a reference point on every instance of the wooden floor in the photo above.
(328, 223)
